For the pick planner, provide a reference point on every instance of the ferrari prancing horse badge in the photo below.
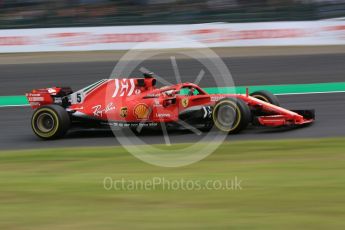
(184, 102)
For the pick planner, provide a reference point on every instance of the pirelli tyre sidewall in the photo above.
(266, 96)
(50, 122)
(240, 115)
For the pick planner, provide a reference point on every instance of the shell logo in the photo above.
(141, 111)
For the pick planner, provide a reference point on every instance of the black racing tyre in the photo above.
(266, 96)
(231, 115)
(50, 122)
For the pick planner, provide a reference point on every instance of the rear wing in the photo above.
(54, 95)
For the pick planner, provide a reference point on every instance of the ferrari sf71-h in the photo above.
(137, 102)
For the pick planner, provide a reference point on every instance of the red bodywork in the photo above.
(138, 100)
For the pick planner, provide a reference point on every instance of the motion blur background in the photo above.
(288, 184)
(66, 13)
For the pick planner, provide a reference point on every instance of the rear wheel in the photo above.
(50, 122)
(266, 96)
(231, 115)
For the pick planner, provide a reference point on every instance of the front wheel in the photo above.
(231, 115)
(50, 122)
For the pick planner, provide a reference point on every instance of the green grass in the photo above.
(295, 184)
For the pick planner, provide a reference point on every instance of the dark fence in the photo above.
(67, 13)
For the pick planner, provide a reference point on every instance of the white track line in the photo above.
(24, 105)
(282, 94)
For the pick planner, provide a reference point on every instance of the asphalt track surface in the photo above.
(16, 79)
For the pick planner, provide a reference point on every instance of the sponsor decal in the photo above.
(124, 87)
(33, 99)
(156, 103)
(141, 111)
(15, 40)
(98, 111)
(120, 124)
(123, 112)
(51, 91)
(185, 102)
(153, 95)
(217, 98)
(163, 115)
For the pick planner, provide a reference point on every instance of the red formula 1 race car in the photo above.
(135, 102)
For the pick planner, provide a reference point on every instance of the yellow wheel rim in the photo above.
(236, 122)
(38, 126)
